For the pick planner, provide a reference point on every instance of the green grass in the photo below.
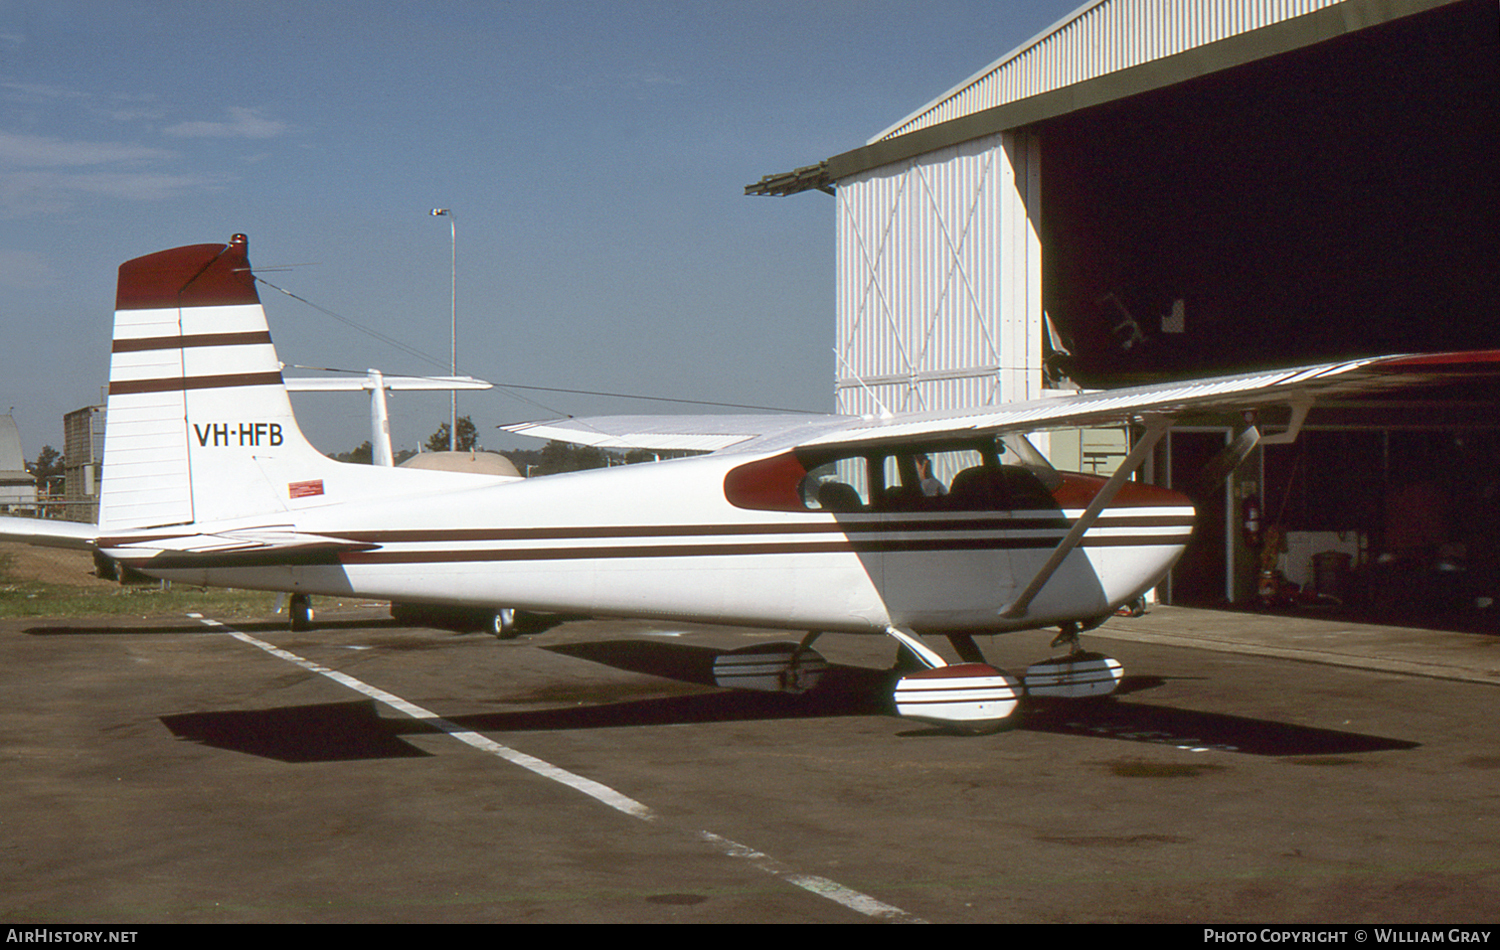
(27, 598)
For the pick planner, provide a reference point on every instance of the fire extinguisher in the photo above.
(1251, 525)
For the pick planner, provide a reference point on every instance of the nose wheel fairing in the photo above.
(1080, 675)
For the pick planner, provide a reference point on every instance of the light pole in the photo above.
(453, 368)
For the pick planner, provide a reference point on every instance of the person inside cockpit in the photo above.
(931, 487)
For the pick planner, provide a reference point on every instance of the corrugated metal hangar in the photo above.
(1159, 189)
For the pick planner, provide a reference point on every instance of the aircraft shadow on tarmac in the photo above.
(185, 627)
(457, 623)
(356, 730)
(326, 732)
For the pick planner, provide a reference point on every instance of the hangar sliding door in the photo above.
(939, 279)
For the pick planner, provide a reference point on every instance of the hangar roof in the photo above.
(1104, 51)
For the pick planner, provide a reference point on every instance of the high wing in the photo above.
(700, 433)
(1298, 387)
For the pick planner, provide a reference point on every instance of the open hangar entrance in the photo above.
(1334, 201)
(1337, 200)
(1378, 508)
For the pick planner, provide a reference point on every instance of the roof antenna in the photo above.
(884, 414)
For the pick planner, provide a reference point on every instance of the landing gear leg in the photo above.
(299, 610)
(966, 648)
(1067, 635)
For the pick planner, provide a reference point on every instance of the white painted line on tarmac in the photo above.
(822, 887)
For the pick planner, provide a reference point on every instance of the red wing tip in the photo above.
(1460, 358)
(197, 275)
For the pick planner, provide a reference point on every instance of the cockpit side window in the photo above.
(977, 475)
(840, 485)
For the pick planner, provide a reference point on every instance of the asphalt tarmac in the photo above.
(1252, 770)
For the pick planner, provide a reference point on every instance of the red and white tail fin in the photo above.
(196, 405)
(199, 428)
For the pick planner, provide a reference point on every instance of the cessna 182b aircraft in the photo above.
(936, 524)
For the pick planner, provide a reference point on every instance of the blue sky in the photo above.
(595, 156)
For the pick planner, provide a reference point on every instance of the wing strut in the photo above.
(1301, 403)
(1156, 427)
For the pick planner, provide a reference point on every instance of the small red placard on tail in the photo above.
(305, 489)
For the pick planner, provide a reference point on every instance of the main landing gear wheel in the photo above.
(502, 623)
(969, 697)
(771, 667)
(299, 611)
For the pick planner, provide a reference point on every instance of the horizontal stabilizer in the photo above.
(240, 548)
(48, 533)
(342, 384)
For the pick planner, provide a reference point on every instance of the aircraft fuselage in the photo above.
(704, 539)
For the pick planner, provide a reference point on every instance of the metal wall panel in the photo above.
(939, 280)
(919, 290)
(1100, 38)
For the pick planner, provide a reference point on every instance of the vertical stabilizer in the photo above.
(198, 415)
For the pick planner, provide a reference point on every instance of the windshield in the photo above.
(1016, 449)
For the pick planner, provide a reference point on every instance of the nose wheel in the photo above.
(1079, 674)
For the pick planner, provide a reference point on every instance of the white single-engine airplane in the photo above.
(944, 523)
